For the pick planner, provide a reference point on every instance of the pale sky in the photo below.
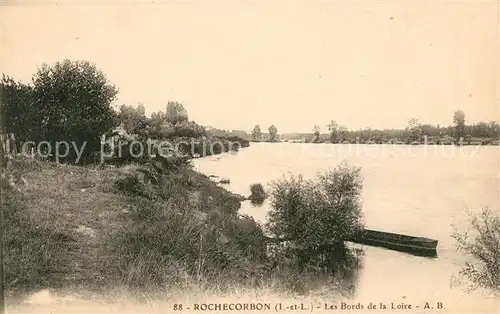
(294, 64)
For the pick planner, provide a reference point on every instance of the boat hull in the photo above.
(403, 243)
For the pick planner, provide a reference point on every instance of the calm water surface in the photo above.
(415, 190)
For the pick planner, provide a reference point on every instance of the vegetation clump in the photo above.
(484, 246)
(257, 194)
(317, 215)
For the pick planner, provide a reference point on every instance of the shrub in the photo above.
(258, 195)
(17, 112)
(315, 215)
(73, 103)
(484, 247)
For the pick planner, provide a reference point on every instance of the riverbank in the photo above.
(131, 231)
(84, 226)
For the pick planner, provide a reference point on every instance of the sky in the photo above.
(294, 64)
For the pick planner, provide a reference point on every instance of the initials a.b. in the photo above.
(439, 305)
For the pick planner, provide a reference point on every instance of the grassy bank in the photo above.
(99, 228)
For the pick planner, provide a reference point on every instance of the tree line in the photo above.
(71, 101)
(415, 133)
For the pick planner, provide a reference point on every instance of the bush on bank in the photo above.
(484, 246)
(257, 193)
(317, 215)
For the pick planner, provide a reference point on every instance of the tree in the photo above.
(176, 112)
(73, 101)
(459, 122)
(316, 132)
(273, 133)
(133, 118)
(333, 129)
(414, 130)
(155, 123)
(256, 133)
(17, 110)
(343, 133)
(314, 214)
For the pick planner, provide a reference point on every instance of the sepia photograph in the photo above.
(250, 156)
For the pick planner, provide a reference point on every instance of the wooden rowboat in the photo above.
(398, 242)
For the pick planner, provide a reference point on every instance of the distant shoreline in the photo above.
(497, 143)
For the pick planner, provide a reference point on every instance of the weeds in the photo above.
(484, 246)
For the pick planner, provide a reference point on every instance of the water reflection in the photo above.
(328, 269)
(256, 202)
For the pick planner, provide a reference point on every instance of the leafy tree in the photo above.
(134, 119)
(176, 112)
(156, 123)
(333, 129)
(314, 214)
(316, 132)
(256, 133)
(459, 122)
(17, 110)
(481, 130)
(494, 130)
(273, 133)
(73, 101)
(414, 130)
(343, 133)
(429, 130)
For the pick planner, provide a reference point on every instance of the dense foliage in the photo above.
(18, 112)
(273, 133)
(256, 133)
(69, 101)
(484, 246)
(133, 119)
(317, 213)
(73, 100)
(257, 194)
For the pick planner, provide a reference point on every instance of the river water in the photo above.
(415, 190)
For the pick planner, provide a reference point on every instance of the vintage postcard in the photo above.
(193, 156)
